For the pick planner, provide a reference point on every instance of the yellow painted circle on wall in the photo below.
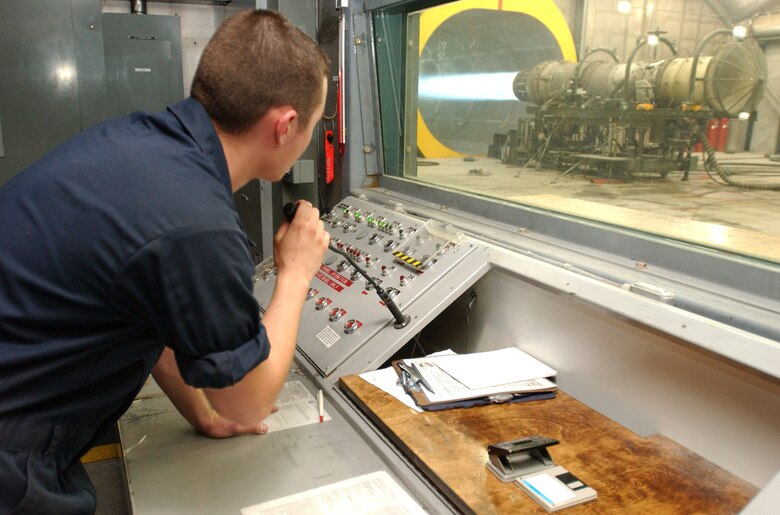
(545, 11)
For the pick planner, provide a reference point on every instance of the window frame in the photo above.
(737, 290)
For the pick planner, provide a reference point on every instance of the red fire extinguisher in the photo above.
(713, 129)
(723, 133)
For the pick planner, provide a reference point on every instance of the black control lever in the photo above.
(401, 320)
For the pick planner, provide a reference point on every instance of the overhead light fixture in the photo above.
(652, 39)
(624, 6)
(64, 74)
(739, 32)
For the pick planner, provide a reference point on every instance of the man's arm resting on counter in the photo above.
(252, 398)
(193, 404)
(298, 251)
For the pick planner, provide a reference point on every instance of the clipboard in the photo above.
(414, 385)
(413, 388)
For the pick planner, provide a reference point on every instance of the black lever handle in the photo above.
(401, 320)
(289, 210)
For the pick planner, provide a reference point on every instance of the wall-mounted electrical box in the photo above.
(302, 172)
(143, 62)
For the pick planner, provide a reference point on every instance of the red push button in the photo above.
(322, 303)
(352, 325)
(336, 313)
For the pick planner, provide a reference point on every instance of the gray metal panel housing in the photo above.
(303, 14)
(90, 62)
(41, 102)
(2, 145)
(143, 62)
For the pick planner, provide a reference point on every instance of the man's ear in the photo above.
(285, 125)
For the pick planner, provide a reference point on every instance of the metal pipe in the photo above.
(765, 26)
(601, 49)
(138, 7)
(699, 50)
(581, 8)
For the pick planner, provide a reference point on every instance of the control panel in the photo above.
(402, 254)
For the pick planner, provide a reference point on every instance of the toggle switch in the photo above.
(312, 293)
(322, 303)
(352, 325)
(336, 313)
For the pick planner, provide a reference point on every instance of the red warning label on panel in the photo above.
(335, 275)
(330, 282)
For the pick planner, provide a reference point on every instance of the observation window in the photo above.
(498, 99)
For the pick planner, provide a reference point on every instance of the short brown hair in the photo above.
(255, 61)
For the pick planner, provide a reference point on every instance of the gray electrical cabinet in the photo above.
(52, 81)
(302, 180)
(76, 69)
(143, 62)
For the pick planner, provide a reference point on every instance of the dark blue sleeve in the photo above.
(193, 286)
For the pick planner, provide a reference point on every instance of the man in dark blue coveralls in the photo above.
(121, 251)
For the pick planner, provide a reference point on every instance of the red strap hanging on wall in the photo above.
(329, 157)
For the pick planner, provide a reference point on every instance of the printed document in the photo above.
(493, 368)
(375, 493)
(387, 380)
(448, 389)
(297, 407)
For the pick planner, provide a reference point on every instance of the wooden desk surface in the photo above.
(631, 474)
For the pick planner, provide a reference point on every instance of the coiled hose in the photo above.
(711, 164)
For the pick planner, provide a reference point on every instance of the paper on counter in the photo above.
(375, 493)
(297, 407)
(493, 368)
